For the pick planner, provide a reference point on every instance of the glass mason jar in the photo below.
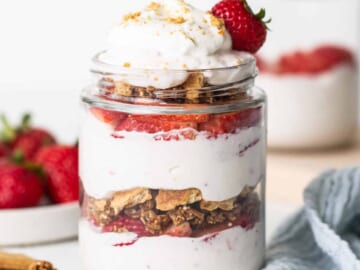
(309, 71)
(173, 178)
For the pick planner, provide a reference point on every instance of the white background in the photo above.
(46, 46)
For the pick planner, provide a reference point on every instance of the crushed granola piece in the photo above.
(128, 199)
(193, 95)
(154, 223)
(153, 6)
(186, 9)
(185, 213)
(131, 16)
(97, 209)
(194, 81)
(176, 20)
(123, 89)
(169, 199)
(133, 212)
(148, 205)
(215, 217)
(218, 23)
(226, 205)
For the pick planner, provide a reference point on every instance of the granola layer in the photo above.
(151, 212)
(195, 90)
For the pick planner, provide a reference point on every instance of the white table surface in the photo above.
(65, 255)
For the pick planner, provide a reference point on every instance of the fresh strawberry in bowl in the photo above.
(60, 166)
(3, 150)
(20, 186)
(25, 139)
(247, 29)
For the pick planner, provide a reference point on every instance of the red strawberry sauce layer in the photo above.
(177, 127)
(128, 224)
(312, 62)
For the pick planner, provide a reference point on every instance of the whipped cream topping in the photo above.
(170, 35)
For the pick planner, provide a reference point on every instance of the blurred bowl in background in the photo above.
(313, 100)
(308, 69)
(39, 225)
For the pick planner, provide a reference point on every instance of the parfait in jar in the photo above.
(172, 147)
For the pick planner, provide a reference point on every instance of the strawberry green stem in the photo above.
(35, 168)
(25, 121)
(8, 133)
(18, 158)
(260, 15)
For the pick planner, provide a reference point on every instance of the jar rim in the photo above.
(90, 98)
(100, 67)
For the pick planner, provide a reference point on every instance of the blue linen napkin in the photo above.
(325, 234)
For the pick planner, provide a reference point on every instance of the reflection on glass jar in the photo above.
(174, 178)
(309, 70)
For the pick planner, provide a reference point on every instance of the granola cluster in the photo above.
(160, 209)
(195, 90)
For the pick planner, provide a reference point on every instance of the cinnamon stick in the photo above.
(21, 262)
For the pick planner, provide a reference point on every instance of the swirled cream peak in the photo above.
(167, 35)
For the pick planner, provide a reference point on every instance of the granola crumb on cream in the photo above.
(170, 34)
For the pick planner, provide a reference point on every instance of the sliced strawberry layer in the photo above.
(128, 224)
(112, 118)
(125, 223)
(195, 118)
(318, 60)
(153, 125)
(178, 127)
(172, 130)
(230, 122)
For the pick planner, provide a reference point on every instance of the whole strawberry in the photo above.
(3, 150)
(247, 30)
(60, 165)
(19, 187)
(26, 139)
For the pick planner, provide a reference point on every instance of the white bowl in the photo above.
(38, 225)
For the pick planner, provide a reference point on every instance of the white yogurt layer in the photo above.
(220, 167)
(311, 111)
(171, 35)
(232, 249)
